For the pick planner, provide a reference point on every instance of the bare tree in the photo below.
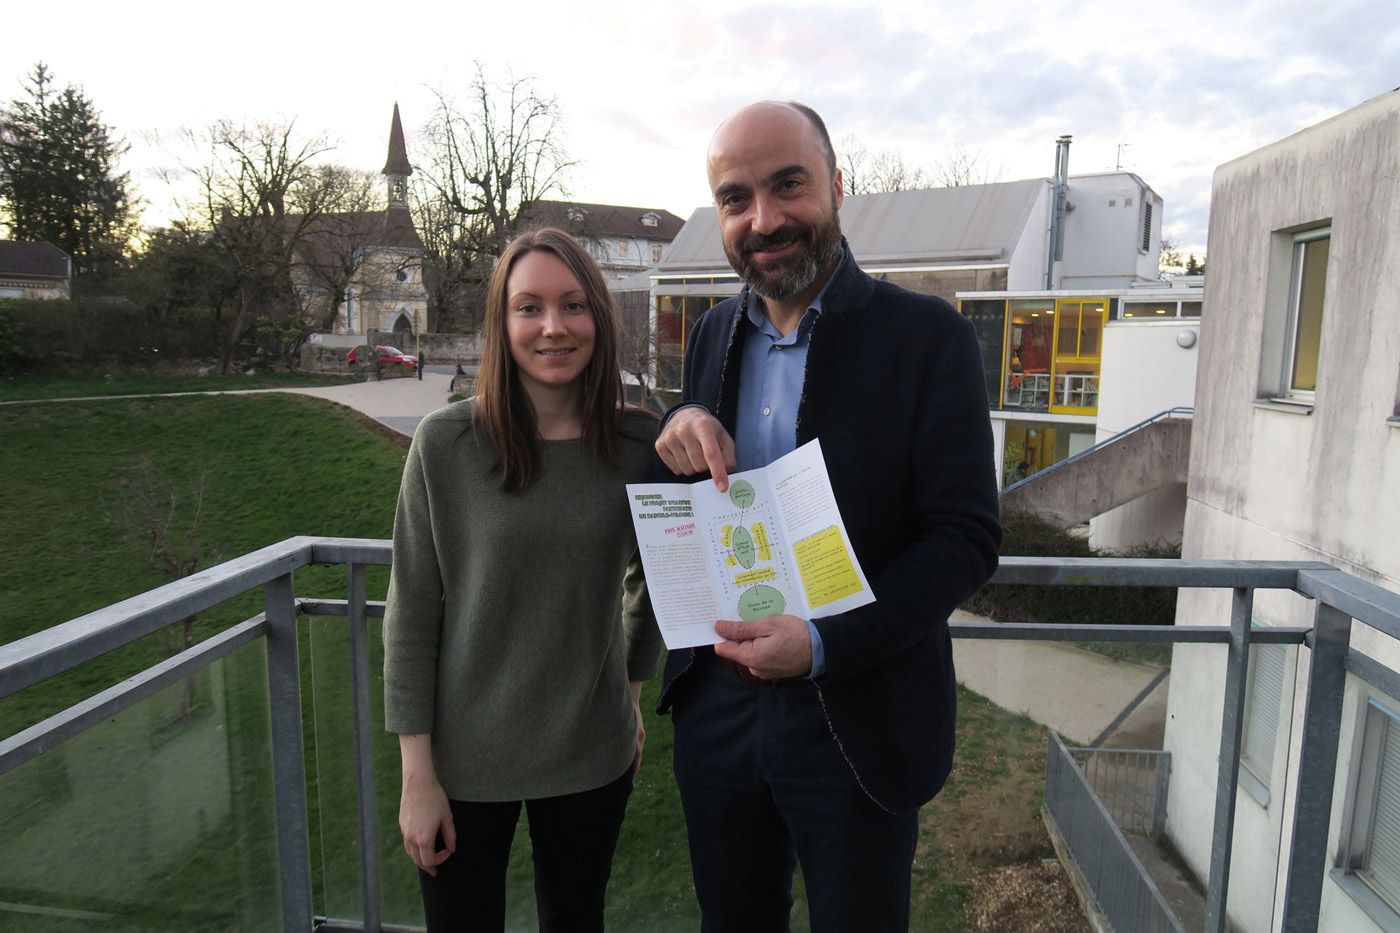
(867, 171)
(1169, 259)
(259, 195)
(871, 171)
(638, 341)
(334, 247)
(166, 516)
(484, 158)
(959, 167)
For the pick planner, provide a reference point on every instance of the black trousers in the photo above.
(572, 841)
(764, 786)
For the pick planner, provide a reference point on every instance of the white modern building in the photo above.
(1296, 456)
(1069, 368)
(1080, 233)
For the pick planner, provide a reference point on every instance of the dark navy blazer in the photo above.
(895, 392)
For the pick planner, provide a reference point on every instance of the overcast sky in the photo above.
(1185, 85)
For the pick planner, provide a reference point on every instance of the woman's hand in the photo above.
(641, 726)
(423, 807)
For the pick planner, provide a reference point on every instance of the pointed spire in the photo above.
(397, 163)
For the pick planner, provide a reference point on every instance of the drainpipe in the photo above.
(1060, 194)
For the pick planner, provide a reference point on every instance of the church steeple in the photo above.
(396, 167)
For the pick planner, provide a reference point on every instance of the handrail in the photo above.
(1041, 474)
(1341, 597)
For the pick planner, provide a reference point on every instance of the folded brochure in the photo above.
(773, 544)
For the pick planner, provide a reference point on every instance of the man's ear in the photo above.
(840, 184)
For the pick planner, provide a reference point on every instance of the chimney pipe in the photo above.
(1060, 196)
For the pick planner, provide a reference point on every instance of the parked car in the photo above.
(388, 356)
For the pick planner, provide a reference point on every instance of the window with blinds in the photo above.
(1263, 696)
(1373, 848)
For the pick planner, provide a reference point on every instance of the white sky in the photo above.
(1187, 85)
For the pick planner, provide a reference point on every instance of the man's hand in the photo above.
(771, 648)
(694, 441)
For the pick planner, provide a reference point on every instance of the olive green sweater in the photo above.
(507, 635)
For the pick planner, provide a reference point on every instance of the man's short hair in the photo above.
(814, 118)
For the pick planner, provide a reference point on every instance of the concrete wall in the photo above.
(1145, 370)
(1271, 482)
(328, 355)
(1026, 271)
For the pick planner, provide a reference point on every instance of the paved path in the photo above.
(1082, 695)
(398, 403)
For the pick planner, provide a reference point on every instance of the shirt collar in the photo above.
(753, 310)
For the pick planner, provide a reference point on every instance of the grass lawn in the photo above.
(164, 814)
(24, 387)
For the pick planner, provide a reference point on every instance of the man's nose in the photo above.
(766, 215)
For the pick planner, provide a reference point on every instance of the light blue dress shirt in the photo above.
(770, 389)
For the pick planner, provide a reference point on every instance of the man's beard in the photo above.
(818, 247)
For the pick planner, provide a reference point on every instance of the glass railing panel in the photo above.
(159, 818)
(335, 834)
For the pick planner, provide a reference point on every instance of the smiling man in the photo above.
(816, 741)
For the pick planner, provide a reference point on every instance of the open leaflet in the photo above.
(773, 544)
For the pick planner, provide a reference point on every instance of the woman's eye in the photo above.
(526, 309)
(576, 307)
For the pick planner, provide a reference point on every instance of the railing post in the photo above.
(288, 763)
(364, 748)
(1228, 774)
(1317, 769)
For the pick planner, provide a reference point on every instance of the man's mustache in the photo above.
(762, 242)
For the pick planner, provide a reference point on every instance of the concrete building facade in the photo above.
(1296, 456)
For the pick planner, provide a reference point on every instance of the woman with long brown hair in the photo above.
(517, 632)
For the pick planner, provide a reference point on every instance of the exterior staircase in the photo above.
(1147, 456)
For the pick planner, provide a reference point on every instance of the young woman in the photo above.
(517, 633)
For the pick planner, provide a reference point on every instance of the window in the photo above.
(656, 252)
(650, 220)
(1146, 226)
(1307, 289)
(1371, 852)
(622, 249)
(1144, 309)
(1263, 696)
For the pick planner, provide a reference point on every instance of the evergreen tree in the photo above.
(58, 174)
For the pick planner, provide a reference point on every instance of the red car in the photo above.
(388, 356)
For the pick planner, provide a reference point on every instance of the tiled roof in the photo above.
(602, 219)
(41, 260)
(397, 163)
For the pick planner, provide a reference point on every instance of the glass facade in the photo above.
(675, 316)
(1051, 354)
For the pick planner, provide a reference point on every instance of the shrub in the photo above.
(90, 332)
(1026, 536)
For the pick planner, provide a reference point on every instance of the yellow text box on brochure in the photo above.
(825, 567)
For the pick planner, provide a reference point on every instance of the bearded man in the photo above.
(816, 741)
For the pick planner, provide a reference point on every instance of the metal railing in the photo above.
(1179, 411)
(1131, 783)
(1340, 599)
(1121, 887)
